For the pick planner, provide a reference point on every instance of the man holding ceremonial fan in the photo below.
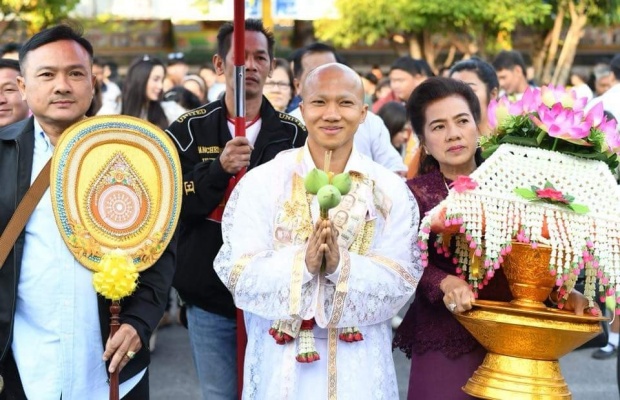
(55, 340)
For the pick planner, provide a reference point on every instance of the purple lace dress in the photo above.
(443, 354)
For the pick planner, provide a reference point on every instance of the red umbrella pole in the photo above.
(239, 60)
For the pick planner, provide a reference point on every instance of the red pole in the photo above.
(239, 60)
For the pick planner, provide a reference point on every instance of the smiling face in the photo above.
(258, 65)
(450, 135)
(12, 107)
(333, 108)
(58, 84)
(155, 83)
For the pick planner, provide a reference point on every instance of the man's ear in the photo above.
(21, 85)
(218, 64)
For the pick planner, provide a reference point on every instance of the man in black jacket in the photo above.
(210, 156)
(54, 328)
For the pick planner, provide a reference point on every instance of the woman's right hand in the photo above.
(438, 223)
(458, 296)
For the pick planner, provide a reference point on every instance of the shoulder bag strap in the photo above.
(23, 211)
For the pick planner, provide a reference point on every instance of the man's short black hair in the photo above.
(509, 59)
(412, 66)
(55, 34)
(9, 63)
(10, 48)
(224, 36)
(316, 47)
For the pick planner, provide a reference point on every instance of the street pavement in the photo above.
(173, 376)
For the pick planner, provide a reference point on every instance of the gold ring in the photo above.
(130, 354)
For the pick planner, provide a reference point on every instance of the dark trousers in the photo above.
(13, 389)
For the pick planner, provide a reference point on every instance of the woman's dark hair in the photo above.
(135, 102)
(394, 116)
(183, 97)
(485, 72)
(428, 92)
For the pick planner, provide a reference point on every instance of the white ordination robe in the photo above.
(265, 228)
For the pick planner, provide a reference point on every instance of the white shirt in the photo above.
(110, 100)
(610, 100)
(251, 131)
(269, 280)
(57, 337)
(373, 140)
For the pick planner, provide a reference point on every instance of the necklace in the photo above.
(445, 183)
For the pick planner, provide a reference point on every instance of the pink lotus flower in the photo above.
(596, 115)
(612, 136)
(563, 123)
(551, 194)
(555, 119)
(498, 112)
(551, 95)
(529, 103)
(463, 183)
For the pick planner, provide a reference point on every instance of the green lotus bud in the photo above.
(342, 182)
(329, 197)
(315, 180)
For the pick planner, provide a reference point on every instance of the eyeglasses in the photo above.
(175, 56)
(279, 85)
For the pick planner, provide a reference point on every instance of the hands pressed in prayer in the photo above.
(323, 243)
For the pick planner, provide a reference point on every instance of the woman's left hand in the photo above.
(578, 303)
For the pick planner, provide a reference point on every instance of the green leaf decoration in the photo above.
(579, 208)
(523, 141)
(488, 150)
(527, 194)
(548, 185)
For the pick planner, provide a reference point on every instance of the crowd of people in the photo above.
(258, 244)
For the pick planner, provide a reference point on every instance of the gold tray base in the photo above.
(506, 377)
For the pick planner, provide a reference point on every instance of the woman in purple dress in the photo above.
(445, 114)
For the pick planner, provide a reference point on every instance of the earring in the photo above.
(426, 151)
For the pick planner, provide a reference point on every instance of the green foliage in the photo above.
(37, 14)
(371, 20)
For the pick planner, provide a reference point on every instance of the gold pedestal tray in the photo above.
(524, 346)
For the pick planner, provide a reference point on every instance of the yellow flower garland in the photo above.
(117, 276)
